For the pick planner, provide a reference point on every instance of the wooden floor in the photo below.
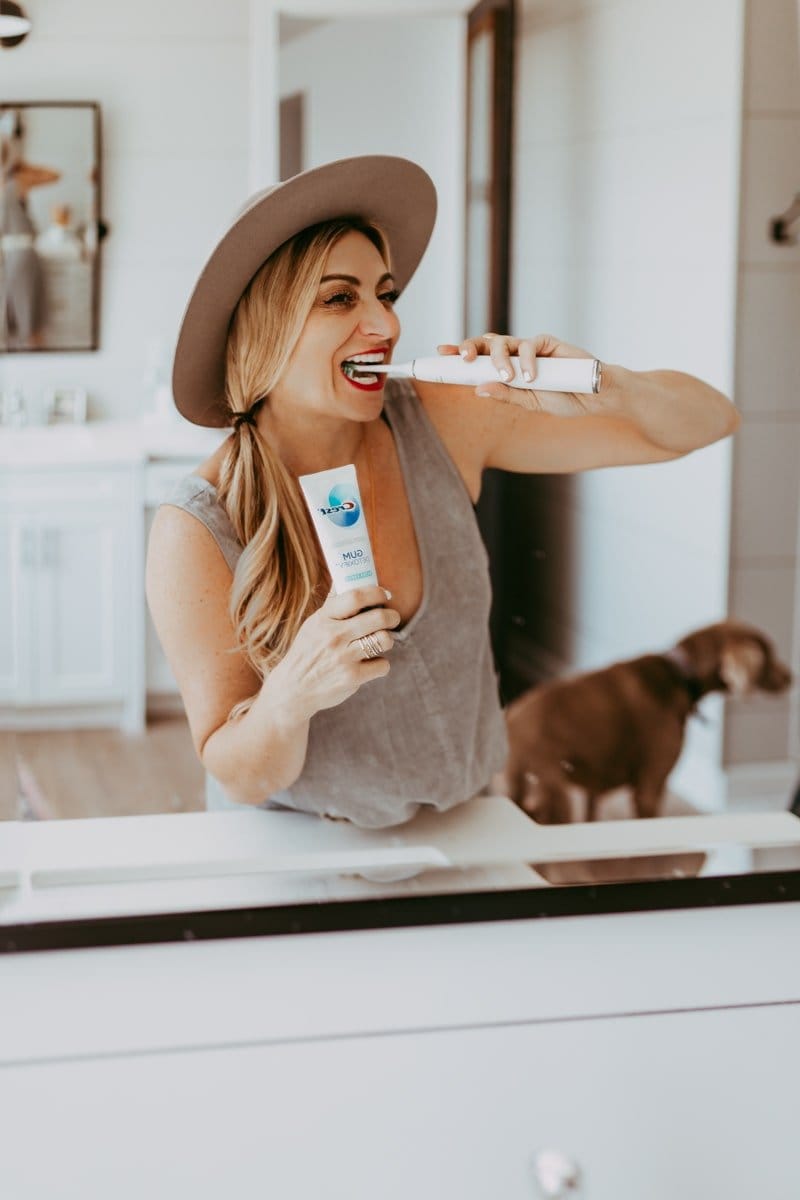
(100, 772)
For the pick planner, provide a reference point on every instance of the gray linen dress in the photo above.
(432, 731)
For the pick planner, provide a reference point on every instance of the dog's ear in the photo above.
(740, 665)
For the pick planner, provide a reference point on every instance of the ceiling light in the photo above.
(14, 25)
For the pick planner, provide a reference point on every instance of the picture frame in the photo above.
(65, 406)
(59, 142)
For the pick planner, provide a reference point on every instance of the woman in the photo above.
(24, 314)
(285, 705)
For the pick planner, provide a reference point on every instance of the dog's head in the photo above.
(734, 657)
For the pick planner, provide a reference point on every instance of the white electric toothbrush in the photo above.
(552, 374)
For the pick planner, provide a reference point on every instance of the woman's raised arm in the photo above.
(637, 417)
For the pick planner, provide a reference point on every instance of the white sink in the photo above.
(105, 442)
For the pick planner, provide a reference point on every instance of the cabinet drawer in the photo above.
(692, 1105)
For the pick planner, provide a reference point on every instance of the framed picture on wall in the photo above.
(50, 226)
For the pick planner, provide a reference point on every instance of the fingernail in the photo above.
(388, 594)
(527, 375)
(506, 374)
(463, 353)
(482, 393)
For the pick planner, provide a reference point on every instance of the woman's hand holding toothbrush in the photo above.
(500, 347)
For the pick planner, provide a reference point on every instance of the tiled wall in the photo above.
(173, 83)
(764, 533)
(625, 227)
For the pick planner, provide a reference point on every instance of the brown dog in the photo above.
(623, 726)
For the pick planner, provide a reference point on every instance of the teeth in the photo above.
(363, 375)
(356, 367)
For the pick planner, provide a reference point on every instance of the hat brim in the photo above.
(395, 192)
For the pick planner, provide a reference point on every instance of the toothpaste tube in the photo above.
(334, 501)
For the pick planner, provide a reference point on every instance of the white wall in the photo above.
(625, 224)
(173, 83)
(765, 516)
(189, 112)
(405, 96)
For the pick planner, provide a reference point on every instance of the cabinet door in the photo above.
(17, 572)
(696, 1106)
(159, 481)
(158, 673)
(83, 603)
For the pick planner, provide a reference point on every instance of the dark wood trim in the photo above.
(486, 7)
(405, 912)
(102, 229)
(498, 17)
(503, 146)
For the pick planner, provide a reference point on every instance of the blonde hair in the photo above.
(281, 577)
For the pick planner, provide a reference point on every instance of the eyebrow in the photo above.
(357, 282)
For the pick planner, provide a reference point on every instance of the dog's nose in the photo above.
(779, 678)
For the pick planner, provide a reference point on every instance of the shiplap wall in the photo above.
(415, 110)
(173, 83)
(764, 534)
(627, 149)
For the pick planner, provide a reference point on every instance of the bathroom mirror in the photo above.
(642, 170)
(49, 221)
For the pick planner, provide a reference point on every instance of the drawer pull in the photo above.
(557, 1175)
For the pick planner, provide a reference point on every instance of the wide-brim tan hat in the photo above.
(395, 192)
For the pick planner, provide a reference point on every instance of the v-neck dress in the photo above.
(432, 731)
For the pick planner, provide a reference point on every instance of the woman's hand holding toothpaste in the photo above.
(325, 664)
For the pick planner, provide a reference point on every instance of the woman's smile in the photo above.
(355, 368)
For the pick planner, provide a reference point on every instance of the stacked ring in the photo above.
(370, 646)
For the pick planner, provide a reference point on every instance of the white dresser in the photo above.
(242, 1015)
(645, 1056)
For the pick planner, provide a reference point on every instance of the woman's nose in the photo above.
(379, 319)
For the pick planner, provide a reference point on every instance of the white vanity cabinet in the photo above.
(638, 1108)
(643, 1056)
(72, 621)
(76, 645)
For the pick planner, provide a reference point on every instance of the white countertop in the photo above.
(106, 443)
(114, 866)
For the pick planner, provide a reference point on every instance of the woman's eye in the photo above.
(348, 297)
(339, 297)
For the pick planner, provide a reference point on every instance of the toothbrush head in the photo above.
(359, 368)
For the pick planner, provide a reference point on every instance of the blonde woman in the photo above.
(287, 703)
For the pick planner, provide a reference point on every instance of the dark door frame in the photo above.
(498, 17)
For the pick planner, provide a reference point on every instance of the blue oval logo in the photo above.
(343, 508)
